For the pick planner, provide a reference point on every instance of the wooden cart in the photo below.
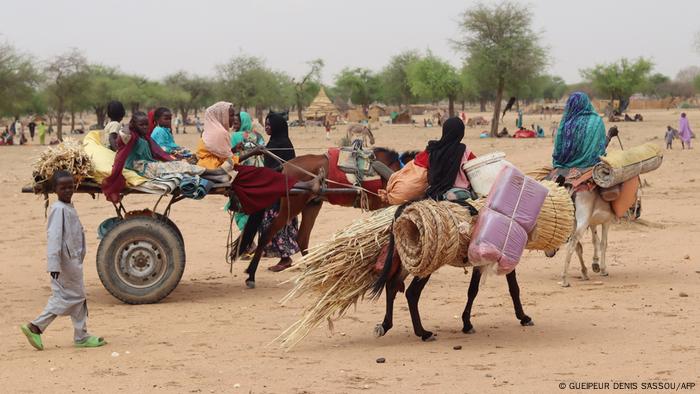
(141, 256)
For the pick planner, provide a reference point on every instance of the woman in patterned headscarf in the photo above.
(580, 139)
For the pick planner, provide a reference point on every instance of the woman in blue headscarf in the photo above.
(580, 139)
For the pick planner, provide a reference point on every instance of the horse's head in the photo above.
(388, 157)
(407, 156)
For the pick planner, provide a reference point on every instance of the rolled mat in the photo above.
(619, 166)
(430, 234)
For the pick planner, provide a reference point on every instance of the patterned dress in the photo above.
(284, 243)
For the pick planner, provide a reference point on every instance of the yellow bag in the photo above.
(103, 159)
(407, 184)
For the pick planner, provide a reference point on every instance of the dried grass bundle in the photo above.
(430, 234)
(69, 155)
(340, 271)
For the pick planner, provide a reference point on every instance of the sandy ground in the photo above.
(213, 335)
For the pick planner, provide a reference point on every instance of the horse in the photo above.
(307, 204)
(413, 293)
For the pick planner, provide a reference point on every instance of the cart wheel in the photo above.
(172, 224)
(141, 260)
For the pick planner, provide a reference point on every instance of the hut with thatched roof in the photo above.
(320, 107)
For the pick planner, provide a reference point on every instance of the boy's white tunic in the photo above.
(65, 253)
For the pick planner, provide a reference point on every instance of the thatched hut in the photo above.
(321, 107)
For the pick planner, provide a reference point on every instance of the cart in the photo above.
(141, 256)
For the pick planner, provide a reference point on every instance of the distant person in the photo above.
(671, 133)
(31, 126)
(41, 130)
(327, 126)
(115, 112)
(199, 125)
(19, 131)
(178, 123)
(66, 250)
(685, 132)
(519, 120)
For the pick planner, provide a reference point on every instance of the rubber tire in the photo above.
(165, 220)
(172, 224)
(156, 231)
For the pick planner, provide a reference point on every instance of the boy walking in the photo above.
(65, 254)
(671, 133)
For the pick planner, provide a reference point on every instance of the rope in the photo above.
(311, 174)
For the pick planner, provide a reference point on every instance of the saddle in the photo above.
(357, 161)
(579, 179)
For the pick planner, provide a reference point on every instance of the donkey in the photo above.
(308, 205)
(396, 283)
(590, 211)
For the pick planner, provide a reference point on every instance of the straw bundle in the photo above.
(540, 173)
(340, 271)
(555, 222)
(430, 234)
(69, 156)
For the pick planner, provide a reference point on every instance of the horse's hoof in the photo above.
(469, 330)
(379, 331)
(603, 273)
(564, 284)
(527, 323)
(428, 337)
(596, 267)
(585, 277)
(250, 284)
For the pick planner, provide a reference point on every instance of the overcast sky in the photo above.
(155, 38)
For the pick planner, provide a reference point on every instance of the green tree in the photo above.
(696, 83)
(434, 79)
(199, 92)
(393, 79)
(68, 82)
(360, 85)
(619, 80)
(19, 80)
(501, 48)
(308, 86)
(249, 83)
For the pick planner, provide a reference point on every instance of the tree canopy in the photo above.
(393, 79)
(621, 79)
(18, 79)
(501, 48)
(360, 85)
(434, 79)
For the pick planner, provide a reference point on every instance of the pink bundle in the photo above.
(502, 228)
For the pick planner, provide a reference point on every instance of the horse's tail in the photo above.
(384, 276)
(249, 230)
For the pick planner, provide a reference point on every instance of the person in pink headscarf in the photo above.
(685, 132)
(215, 145)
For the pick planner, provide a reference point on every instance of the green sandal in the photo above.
(91, 341)
(34, 339)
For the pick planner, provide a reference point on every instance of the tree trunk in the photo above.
(259, 113)
(464, 105)
(299, 114)
(72, 121)
(59, 125)
(482, 104)
(101, 115)
(497, 107)
(451, 106)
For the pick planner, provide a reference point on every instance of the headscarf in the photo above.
(113, 185)
(246, 122)
(445, 156)
(215, 135)
(279, 139)
(580, 139)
